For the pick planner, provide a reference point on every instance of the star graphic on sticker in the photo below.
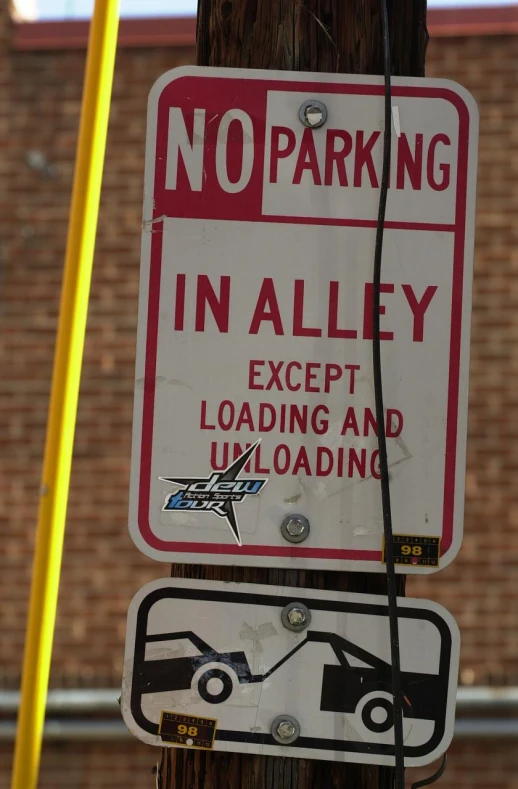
(218, 490)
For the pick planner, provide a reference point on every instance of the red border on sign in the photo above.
(458, 228)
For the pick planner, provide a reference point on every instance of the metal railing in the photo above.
(483, 712)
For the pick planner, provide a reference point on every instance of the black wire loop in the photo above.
(399, 782)
(432, 778)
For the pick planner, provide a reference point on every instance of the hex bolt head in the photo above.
(296, 617)
(285, 729)
(295, 528)
(313, 113)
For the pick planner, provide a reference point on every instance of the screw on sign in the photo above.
(313, 114)
(254, 406)
(285, 729)
(320, 687)
(296, 617)
(295, 528)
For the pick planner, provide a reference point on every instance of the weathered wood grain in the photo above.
(341, 36)
(311, 35)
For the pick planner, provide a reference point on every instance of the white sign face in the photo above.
(255, 320)
(216, 657)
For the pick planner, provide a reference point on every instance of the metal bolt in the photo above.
(285, 729)
(313, 113)
(295, 528)
(296, 617)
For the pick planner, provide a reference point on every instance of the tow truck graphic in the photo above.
(193, 648)
(344, 686)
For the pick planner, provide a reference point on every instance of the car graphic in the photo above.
(346, 688)
(170, 674)
(366, 689)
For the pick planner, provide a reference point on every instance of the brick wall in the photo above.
(479, 587)
(102, 569)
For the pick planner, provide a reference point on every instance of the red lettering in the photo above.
(238, 451)
(413, 164)
(419, 308)
(319, 426)
(443, 183)
(369, 422)
(307, 159)
(363, 158)
(332, 325)
(276, 460)
(375, 465)
(320, 470)
(293, 376)
(340, 462)
(179, 304)
(302, 462)
(253, 374)
(274, 378)
(220, 308)
(333, 372)
(352, 369)
(368, 310)
(394, 430)
(280, 153)
(203, 417)
(214, 456)
(267, 299)
(350, 422)
(311, 376)
(245, 418)
(265, 427)
(359, 462)
(234, 154)
(298, 415)
(257, 460)
(337, 157)
(298, 313)
(226, 424)
(289, 367)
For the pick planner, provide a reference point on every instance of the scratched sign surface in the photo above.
(254, 387)
(210, 665)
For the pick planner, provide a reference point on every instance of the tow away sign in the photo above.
(211, 665)
(254, 389)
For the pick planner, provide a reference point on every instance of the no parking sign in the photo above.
(254, 428)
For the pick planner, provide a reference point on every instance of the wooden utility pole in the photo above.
(339, 36)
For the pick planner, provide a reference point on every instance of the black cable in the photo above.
(380, 417)
(432, 778)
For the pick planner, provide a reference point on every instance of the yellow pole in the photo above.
(65, 388)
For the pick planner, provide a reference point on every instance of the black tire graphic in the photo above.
(225, 692)
(373, 725)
